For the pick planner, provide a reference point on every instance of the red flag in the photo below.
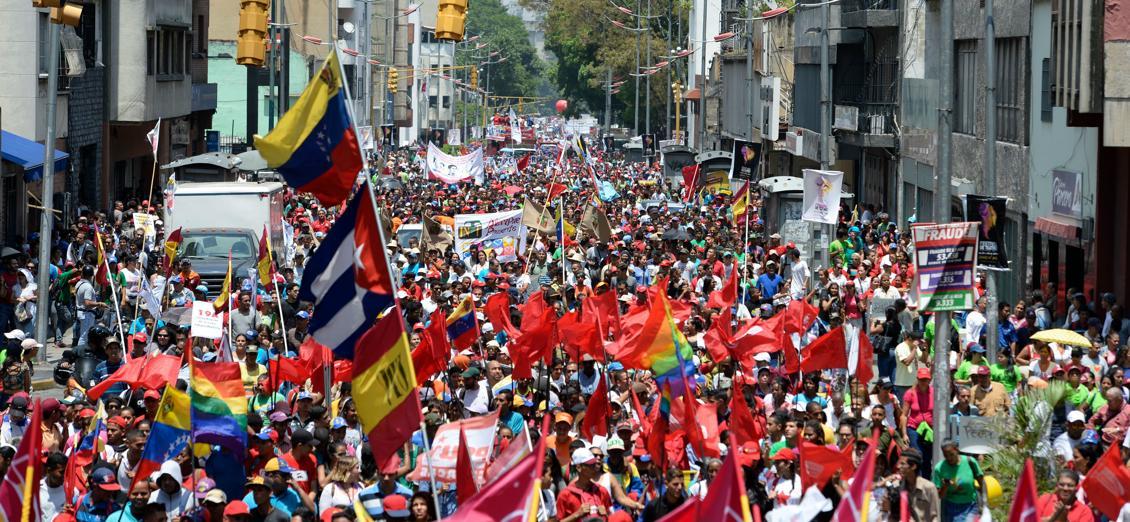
(1108, 483)
(286, 369)
(690, 182)
(689, 420)
(854, 503)
(20, 489)
(152, 373)
(829, 351)
(607, 313)
(819, 463)
(864, 354)
(431, 355)
(172, 243)
(580, 337)
(725, 499)
(497, 310)
(596, 416)
(556, 189)
(799, 316)
(508, 497)
(719, 337)
(645, 422)
(465, 486)
(1024, 502)
(537, 338)
(725, 296)
(747, 427)
(523, 162)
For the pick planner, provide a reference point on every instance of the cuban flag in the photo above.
(347, 278)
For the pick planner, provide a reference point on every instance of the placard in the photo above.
(206, 321)
(146, 222)
(453, 169)
(975, 435)
(498, 233)
(746, 159)
(945, 258)
(822, 195)
(479, 432)
(988, 212)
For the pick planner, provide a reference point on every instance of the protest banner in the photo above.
(479, 432)
(988, 212)
(945, 259)
(206, 322)
(822, 195)
(498, 233)
(453, 169)
(146, 222)
(747, 158)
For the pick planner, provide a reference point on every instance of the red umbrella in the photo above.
(512, 189)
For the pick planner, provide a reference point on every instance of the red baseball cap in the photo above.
(924, 373)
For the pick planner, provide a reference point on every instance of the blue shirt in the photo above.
(372, 496)
(88, 511)
(288, 502)
(1007, 334)
(768, 284)
(586, 382)
(103, 370)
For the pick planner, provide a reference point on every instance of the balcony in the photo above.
(869, 13)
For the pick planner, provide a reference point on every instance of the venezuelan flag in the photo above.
(86, 451)
(169, 435)
(384, 386)
(219, 406)
(462, 325)
(314, 146)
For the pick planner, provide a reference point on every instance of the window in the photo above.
(1046, 90)
(965, 86)
(167, 57)
(44, 35)
(200, 32)
(1010, 87)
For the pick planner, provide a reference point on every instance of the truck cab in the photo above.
(208, 249)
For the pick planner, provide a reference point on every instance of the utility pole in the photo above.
(647, 81)
(991, 169)
(667, 120)
(272, 53)
(608, 102)
(942, 215)
(47, 184)
(636, 75)
(702, 84)
(825, 87)
(749, 71)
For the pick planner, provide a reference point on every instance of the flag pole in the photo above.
(114, 296)
(745, 245)
(431, 469)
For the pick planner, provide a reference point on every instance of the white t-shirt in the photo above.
(51, 500)
(1065, 446)
(974, 324)
(800, 275)
(905, 374)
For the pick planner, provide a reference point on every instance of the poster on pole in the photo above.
(454, 169)
(822, 190)
(479, 432)
(988, 212)
(945, 262)
(746, 158)
(206, 322)
(365, 136)
(500, 233)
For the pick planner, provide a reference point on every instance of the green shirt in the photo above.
(965, 370)
(778, 446)
(1004, 375)
(963, 489)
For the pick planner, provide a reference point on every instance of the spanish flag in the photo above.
(172, 243)
(740, 205)
(384, 386)
(314, 146)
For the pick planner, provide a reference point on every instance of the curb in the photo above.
(43, 384)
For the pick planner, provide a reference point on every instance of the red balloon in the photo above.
(562, 105)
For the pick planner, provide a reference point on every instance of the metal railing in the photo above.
(850, 6)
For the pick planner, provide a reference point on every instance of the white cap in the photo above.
(583, 456)
(761, 357)
(1076, 416)
(16, 334)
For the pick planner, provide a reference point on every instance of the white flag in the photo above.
(822, 195)
(149, 298)
(515, 129)
(154, 137)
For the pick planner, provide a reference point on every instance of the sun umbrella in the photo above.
(1062, 336)
(9, 252)
(178, 315)
(512, 189)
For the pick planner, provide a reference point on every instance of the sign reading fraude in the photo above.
(479, 432)
(945, 262)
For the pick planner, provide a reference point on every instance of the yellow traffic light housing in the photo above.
(68, 14)
(474, 78)
(393, 79)
(251, 47)
(451, 18)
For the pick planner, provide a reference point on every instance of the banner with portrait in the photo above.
(988, 212)
(454, 169)
(822, 190)
(747, 157)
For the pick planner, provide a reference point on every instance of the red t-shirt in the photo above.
(573, 497)
(1078, 512)
(921, 408)
(308, 465)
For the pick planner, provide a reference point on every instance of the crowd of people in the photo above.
(307, 457)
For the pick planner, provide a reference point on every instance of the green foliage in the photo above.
(1024, 436)
(522, 72)
(587, 45)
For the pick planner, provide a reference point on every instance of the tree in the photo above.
(522, 72)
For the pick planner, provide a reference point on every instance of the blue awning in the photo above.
(28, 155)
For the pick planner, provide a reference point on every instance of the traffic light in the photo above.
(450, 19)
(393, 79)
(474, 78)
(251, 48)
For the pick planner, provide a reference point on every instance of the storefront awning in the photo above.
(1059, 227)
(693, 94)
(28, 155)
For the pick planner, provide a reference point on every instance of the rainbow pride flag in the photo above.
(661, 347)
(219, 407)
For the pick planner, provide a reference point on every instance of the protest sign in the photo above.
(988, 212)
(747, 158)
(206, 322)
(453, 169)
(945, 257)
(500, 233)
(479, 432)
(146, 222)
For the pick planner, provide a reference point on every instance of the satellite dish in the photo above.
(347, 27)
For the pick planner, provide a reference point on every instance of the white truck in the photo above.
(220, 217)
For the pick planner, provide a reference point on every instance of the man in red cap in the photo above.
(237, 511)
(52, 416)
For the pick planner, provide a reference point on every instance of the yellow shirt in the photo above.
(250, 376)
